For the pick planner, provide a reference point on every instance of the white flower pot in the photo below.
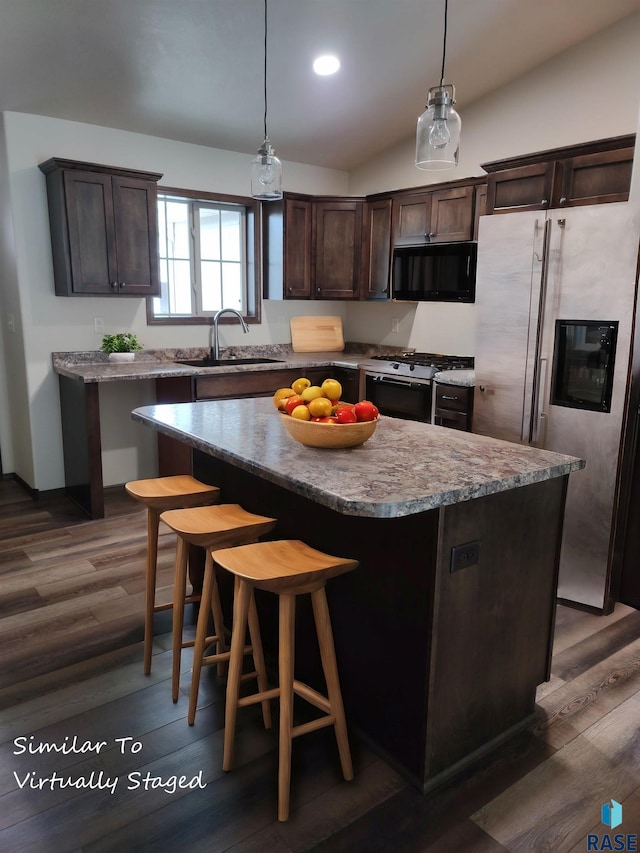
(121, 356)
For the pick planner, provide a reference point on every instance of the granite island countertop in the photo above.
(404, 468)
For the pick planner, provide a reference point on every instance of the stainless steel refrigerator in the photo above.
(555, 297)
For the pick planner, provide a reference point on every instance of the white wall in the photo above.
(590, 92)
(46, 323)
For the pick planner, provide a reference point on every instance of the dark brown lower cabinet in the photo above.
(453, 406)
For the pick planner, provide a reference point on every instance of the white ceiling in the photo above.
(192, 70)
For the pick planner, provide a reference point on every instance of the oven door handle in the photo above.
(393, 380)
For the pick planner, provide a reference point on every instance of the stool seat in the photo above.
(181, 490)
(207, 526)
(211, 527)
(287, 568)
(287, 565)
(159, 494)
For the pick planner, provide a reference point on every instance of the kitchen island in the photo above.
(445, 630)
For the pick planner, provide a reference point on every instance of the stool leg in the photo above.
(179, 585)
(153, 521)
(258, 658)
(286, 655)
(328, 656)
(201, 636)
(218, 621)
(241, 597)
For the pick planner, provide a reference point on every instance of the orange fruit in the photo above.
(320, 407)
(311, 393)
(332, 389)
(300, 384)
(301, 413)
(280, 397)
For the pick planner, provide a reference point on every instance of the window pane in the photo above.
(231, 235)
(177, 230)
(210, 271)
(209, 234)
(179, 287)
(232, 286)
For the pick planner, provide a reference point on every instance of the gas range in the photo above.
(419, 365)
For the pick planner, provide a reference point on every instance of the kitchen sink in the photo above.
(227, 362)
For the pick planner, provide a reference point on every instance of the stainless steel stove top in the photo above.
(420, 365)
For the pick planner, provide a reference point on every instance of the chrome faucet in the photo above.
(215, 346)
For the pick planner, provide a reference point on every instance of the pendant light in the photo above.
(266, 169)
(438, 131)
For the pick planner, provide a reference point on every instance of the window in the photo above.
(207, 252)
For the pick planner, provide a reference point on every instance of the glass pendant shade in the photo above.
(438, 131)
(266, 174)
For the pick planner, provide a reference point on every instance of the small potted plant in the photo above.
(121, 346)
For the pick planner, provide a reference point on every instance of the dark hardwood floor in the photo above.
(71, 602)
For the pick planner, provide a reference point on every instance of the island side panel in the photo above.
(81, 444)
(381, 613)
(494, 623)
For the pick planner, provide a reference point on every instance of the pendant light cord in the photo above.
(444, 44)
(265, 69)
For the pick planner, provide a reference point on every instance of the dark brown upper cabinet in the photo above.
(438, 216)
(590, 173)
(312, 248)
(298, 230)
(376, 249)
(337, 248)
(411, 218)
(104, 229)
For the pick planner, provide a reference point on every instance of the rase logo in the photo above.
(611, 816)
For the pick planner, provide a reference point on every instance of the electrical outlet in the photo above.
(463, 556)
(98, 325)
(395, 325)
(11, 322)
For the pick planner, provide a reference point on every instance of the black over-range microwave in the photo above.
(435, 272)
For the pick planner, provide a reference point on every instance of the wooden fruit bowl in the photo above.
(313, 434)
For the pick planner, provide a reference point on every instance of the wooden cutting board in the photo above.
(317, 334)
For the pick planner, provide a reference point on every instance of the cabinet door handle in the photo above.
(114, 284)
(447, 397)
(123, 284)
(545, 202)
(563, 200)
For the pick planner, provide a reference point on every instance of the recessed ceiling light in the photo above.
(325, 65)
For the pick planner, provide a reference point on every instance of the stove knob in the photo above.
(412, 367)
(395, 365)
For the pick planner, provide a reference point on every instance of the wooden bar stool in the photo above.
(210, 527)
(159, 494)
(287, 568)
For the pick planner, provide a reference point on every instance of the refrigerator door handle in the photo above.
(535, 388)
(538, 416)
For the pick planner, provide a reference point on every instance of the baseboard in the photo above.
(35, 494)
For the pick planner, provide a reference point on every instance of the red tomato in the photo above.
(346, 416)
(292, 402)
(325, 419)
(365, 411)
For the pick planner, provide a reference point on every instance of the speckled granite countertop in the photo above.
(90, 367)
(405, 468)
(464, 378)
